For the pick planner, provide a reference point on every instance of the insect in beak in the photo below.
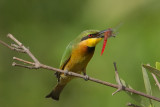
(107, 34)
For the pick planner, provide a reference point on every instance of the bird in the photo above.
(77, 55)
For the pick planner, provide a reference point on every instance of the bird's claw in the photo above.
(65, 72)
(86, 77)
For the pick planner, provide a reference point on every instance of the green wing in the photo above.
(65, 58)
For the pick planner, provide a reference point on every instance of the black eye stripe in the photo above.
(86, 37)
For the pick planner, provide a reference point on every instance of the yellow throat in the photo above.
(91, 42)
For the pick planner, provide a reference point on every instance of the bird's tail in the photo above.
(55, 93)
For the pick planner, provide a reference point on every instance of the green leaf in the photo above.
(146, 81)
(158, 65)
(147, 84)
(152, 69)
(151, 105)
(125, 84)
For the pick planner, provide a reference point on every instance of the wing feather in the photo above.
(65, 58)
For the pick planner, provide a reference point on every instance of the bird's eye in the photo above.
(89, 35)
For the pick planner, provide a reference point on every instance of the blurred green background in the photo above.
(47, 26)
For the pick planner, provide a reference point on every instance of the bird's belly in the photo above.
(79, 60)
(77, 64)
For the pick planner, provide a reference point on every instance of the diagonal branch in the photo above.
(36, 64)
(156, 80)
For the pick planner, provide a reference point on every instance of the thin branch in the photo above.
(24, 66)
(12, 48)
(98, 81)
(120, 85)
(24, 61)
(16, 46)
(36, 64)
(156, 80)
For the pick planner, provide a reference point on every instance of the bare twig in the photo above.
(24, 66)
(24, 61)
(120, 85)
(156, 80)
(133, 105)
(36, 64)
(16, 46)
(12, 48)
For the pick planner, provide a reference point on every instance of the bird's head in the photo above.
(92, 37)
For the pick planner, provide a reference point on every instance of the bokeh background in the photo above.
(47, 26)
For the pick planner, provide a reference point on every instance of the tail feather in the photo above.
(56, 92)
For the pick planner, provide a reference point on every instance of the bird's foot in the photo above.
(65, 72)
(86, 78)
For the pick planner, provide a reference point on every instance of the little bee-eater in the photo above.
(76, 57)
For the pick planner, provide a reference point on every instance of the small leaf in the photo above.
(147, 84)
(158, 65)
(151, 105)
(146, 81)
(125, 84)
(152, 69)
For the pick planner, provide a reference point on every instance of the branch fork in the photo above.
(21, 47)
(120, 85)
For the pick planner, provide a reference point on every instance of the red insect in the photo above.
(107, 34)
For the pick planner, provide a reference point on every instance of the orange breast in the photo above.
(80, 57)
